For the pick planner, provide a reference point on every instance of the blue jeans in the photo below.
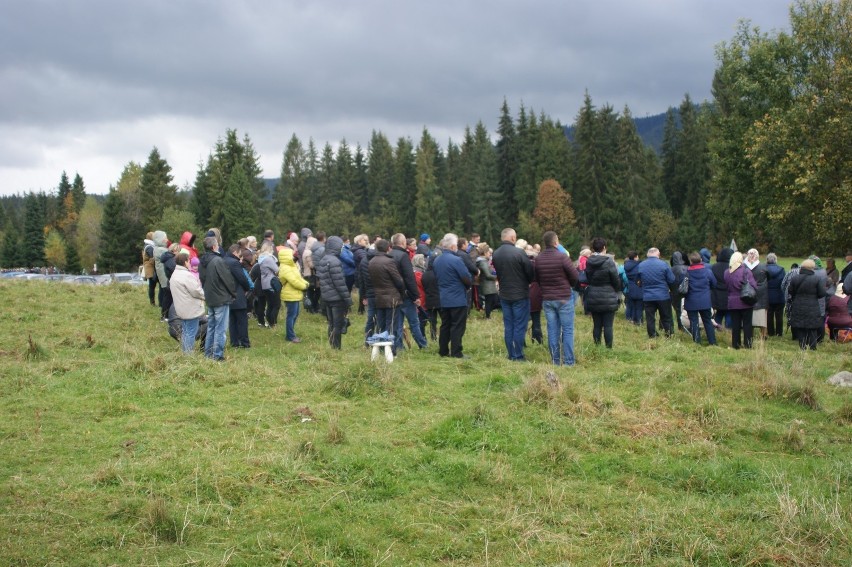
(217, 325)
(408, 311)
(559, 314)
(292, 315)
(187, 337)
(386, 319)
(516, 316)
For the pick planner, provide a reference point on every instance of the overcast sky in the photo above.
(89, 85)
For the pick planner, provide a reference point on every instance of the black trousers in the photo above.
(336, 312)
(453, 325)
(273, 306)
(775, 320)
(740, 321)
(260, 305)
(602, 322)
(492, 302)
(665, 309)
(165, 300)
(238, 327)
(535, 327)
(152, 286)
(807, 338)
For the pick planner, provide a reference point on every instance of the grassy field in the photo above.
(117, 450)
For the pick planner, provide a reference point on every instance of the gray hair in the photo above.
(449, 240)
(771, 258)
(211, 243)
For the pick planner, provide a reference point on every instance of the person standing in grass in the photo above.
(336, 298)
(388, 287)
(633, 299)
(775, 312)
(487, 279)
(220, 290)
(454, 279)
(602, 293)
(188, 301)
(515, 274)
(761, 276)
(806, 317)
(740, 311)
(697, 302)
(655, 278)
(719, 294)
(410, 297)
(556, 276)
(293, 287)
(238, 310)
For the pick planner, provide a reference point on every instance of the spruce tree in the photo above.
(156, 189)
(380, 174)
(34, 225)
(507, 165)
(404, 196)
(199, 204)
(78, 190)
(360, 192)
(239, 213)
(11, 254)
(118, 249)
(431, 213)
(292, 202)
(63, 190)
(72, 259)
(485, 213)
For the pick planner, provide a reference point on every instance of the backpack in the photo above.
(683, 286)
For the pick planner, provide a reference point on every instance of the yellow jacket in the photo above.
(292, 282)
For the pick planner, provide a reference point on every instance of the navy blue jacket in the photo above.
(776, 276)
(655, 277)
(453, 280)
(631, 269)
(701, 281)
(243, 284)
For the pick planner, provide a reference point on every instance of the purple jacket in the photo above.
(734, 281)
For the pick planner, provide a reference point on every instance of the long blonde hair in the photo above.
(735, 262)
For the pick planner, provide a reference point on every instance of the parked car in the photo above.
(121, 277)
(84, 280)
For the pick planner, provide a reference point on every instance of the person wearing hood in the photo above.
(293, 287)
(220, 290)
(705, 257)
(187, 244)
(149, 272)
(335, 294)
(161, 246)
(633, 301)
(806, 289)
(775, 312)
(238, 311)
(679, 271)
(761, 276)
(719, 293)
(602, 293)
(735, 277)
(366, 293)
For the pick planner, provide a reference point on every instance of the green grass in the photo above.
(117, 450)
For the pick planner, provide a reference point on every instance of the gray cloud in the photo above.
(120, 76)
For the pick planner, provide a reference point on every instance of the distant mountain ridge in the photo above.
(649, 128)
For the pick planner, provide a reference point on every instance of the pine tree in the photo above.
(239, 213)
(72, 259)
(404, 196)
(34, 224)
(78, 190)
(62, 193)
(342, 176)
(431, 213)
(485, 213)
(117, 252)
(292, 203)
(360, 192)
(11, 256)
(156, 189)
(507, 165)
(199, 205)
(380, 174)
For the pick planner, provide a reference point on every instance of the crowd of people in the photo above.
(211, 296)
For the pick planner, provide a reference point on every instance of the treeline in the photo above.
(767, 162)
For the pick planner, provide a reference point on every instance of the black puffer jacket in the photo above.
(240, 279)
(761, 276)
(806, 289)
(365, 284)
(604, 284)
(430, 286)
(719, 294)
(330, 274)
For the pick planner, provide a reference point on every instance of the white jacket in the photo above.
(187, 294)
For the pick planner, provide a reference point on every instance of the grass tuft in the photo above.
(804, 395)
(34, 350)
(159, 521)
(336, 435)
(843, 414)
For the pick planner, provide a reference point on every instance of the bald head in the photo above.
(653, 252)
(509, 235)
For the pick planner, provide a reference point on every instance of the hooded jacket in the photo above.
(219, 285)
(776, 276)
(719, 293)
(293, 285)
(330, 274)
(187, 242)
(705, 256)
(240, 279)
(631, 270)
(806, 289)
(604, 284)
(187, 294)
(161, 245)
(268, 270)
(678, 268)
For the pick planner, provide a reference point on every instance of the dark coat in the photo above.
(773, 285)
(514, 272)
(406, 270)
(762, 278)
(359, 253)
(365, 284)
(719, 293)
(430, 286)
(487, 280)
(217, 281)
(330, 274)
(656, 279)
(243, 284)
(701, 282)
(555, 274)
(388, 286)
(631, 270)
(806, 289)
(468, 262)
(604, 284)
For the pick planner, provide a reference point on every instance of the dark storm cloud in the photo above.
(335, 69)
